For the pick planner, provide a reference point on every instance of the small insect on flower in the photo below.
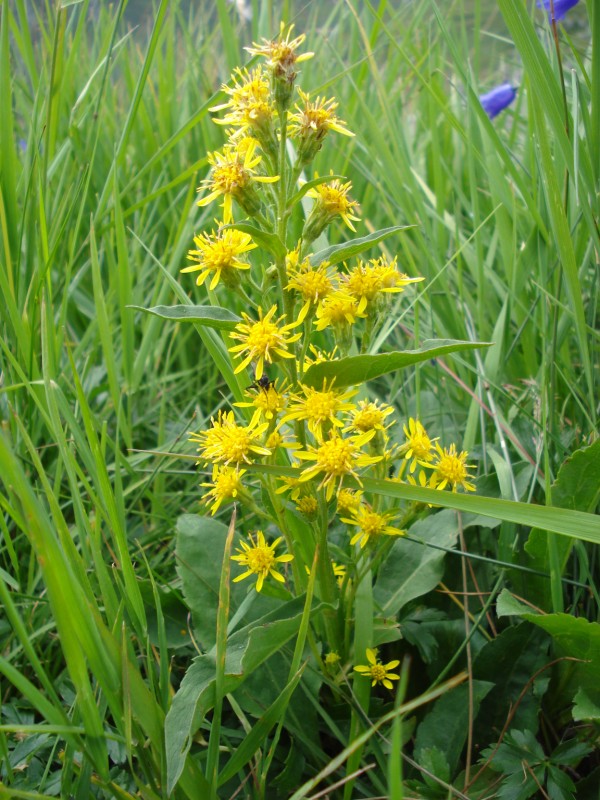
(262, 339)
(379, 673)
(498, 99)
(260, 560)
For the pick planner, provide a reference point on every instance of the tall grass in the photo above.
(103, 131)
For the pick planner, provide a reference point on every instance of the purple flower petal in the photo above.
(498, 99)
(560, 7)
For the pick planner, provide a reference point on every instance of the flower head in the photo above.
(308, 505)
(268, 400)
(498, 99)
(560, 7)
(249, 103)
(311, 122)
(348, 500)
(338, 310)
(311, 283)
(233, 176)
(450, 469)
(331, 201)
(226, 442)
(219, 253)
(335, 458)
(371, 523)
(226, 484)
(319, 407)
(369, 416)
(263, 339)
(418, 446)
(380, 673)
(260, 560)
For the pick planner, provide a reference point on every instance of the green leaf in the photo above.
(360, 369)
(577, 486)
(445, 726)
(246, 650)
(509, 660)
(584, 708)
(509, 606)
(340, 252)
(435, 761)
(255, 738)
(200, 545)
(574, 638)
(210, 316)
(268, 241)
(413, 569)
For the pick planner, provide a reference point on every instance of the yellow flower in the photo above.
(369, 416)
(450, 469)
(311, 283)
(219, 253)
(348, 500)
(226, 442)
(291, 485)
(260, 559)
(392, 280)
(319, 407)
(336, 458)
(269, 401)
(310, 125)
(418, 445)
(338, 310)
(262, 339)
(226, 485)
(380, 673)
(233, 176)
(371, 523)
(250, 100)
(331, 660)
(307, 505)
(364, 283)
(331, 201)
(281, 52)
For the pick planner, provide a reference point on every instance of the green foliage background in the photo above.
(103, 134)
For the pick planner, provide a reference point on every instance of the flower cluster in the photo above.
(302, 441)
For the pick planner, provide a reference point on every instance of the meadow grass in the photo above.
(104, 131)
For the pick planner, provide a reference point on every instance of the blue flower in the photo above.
(560, 7)
(498, 99)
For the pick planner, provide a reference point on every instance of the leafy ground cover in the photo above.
(130, 665)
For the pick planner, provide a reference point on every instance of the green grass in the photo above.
(104, 131)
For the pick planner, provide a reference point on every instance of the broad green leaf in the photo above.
(210, 316)
(584, 708)
(199, 547)
(247, 649)
(412, 569)
(445, 726)
(340, 252)
(268, 241)
(509, 660)
(574, 638)
(508, 606)
(360, 369)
